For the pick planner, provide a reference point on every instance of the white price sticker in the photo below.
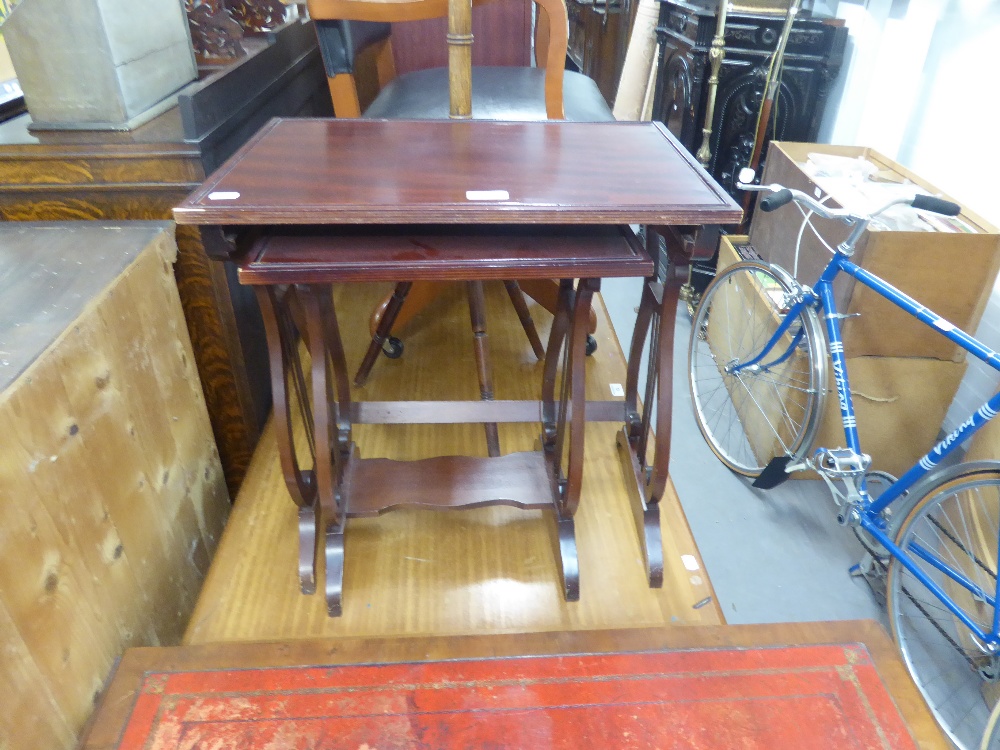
(487, 195)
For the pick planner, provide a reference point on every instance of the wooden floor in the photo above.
(482, 571)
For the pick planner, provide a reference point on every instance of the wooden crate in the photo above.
(951, 273)
(112, 495)
(900, 402)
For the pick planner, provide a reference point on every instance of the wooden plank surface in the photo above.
(112, 496)
(141, 174)
(346, 651)
(485, 570)
(47, 282)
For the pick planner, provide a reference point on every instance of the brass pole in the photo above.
(715, 56)
(771, 92)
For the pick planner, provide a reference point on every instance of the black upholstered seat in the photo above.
(498, 93)
(347, 28)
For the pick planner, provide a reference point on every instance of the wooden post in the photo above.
(460, 58)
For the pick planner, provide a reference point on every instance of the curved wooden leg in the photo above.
(340, 407)
(279, 311)
(645, 515)
(563, 423)
(546, 293)
(647, 481)
(328, 368)
(553, 353)
(570, 433)
(564, 550)
(287, 380)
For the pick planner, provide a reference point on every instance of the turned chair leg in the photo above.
(385, 323)
(477, 314)
(421, 294)
(521, 307)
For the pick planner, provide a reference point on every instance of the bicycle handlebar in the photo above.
(777, 200)
(782, 196)
(936, 205)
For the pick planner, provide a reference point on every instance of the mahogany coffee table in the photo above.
(307, 203)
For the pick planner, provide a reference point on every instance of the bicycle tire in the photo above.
(753, 416)
(956, 522)
(991, 735)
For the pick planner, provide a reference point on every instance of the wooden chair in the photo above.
(355, 41)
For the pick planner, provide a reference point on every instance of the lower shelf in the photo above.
(376, 485)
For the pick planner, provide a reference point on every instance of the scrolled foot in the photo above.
(307, 550)
(334, 572)
(564, 538)
(652, 544)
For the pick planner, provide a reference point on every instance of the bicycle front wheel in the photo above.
(771, 408)
(991, 735)
(951, 536)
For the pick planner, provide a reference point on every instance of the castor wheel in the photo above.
(591, 345)
(392, 348)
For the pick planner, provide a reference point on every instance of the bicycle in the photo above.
(759, 359)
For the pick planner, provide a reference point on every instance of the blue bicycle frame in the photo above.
(870, 519)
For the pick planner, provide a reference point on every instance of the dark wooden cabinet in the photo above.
(813, 59)
(61, 175)
(598, 40)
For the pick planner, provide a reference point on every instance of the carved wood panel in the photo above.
(812, 62)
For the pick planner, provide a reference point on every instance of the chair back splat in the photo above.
(355, 41)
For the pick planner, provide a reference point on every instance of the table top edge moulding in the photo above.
(471, 181)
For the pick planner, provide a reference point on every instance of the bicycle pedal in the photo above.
(773, 474)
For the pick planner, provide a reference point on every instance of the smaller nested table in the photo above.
(292, 274)
(456, 200)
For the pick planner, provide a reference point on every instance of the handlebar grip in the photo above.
(777, 200)
(938, 206)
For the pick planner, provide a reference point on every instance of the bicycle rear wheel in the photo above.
(954, 527)
(771, 409)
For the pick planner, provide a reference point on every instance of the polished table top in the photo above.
(319, 171)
